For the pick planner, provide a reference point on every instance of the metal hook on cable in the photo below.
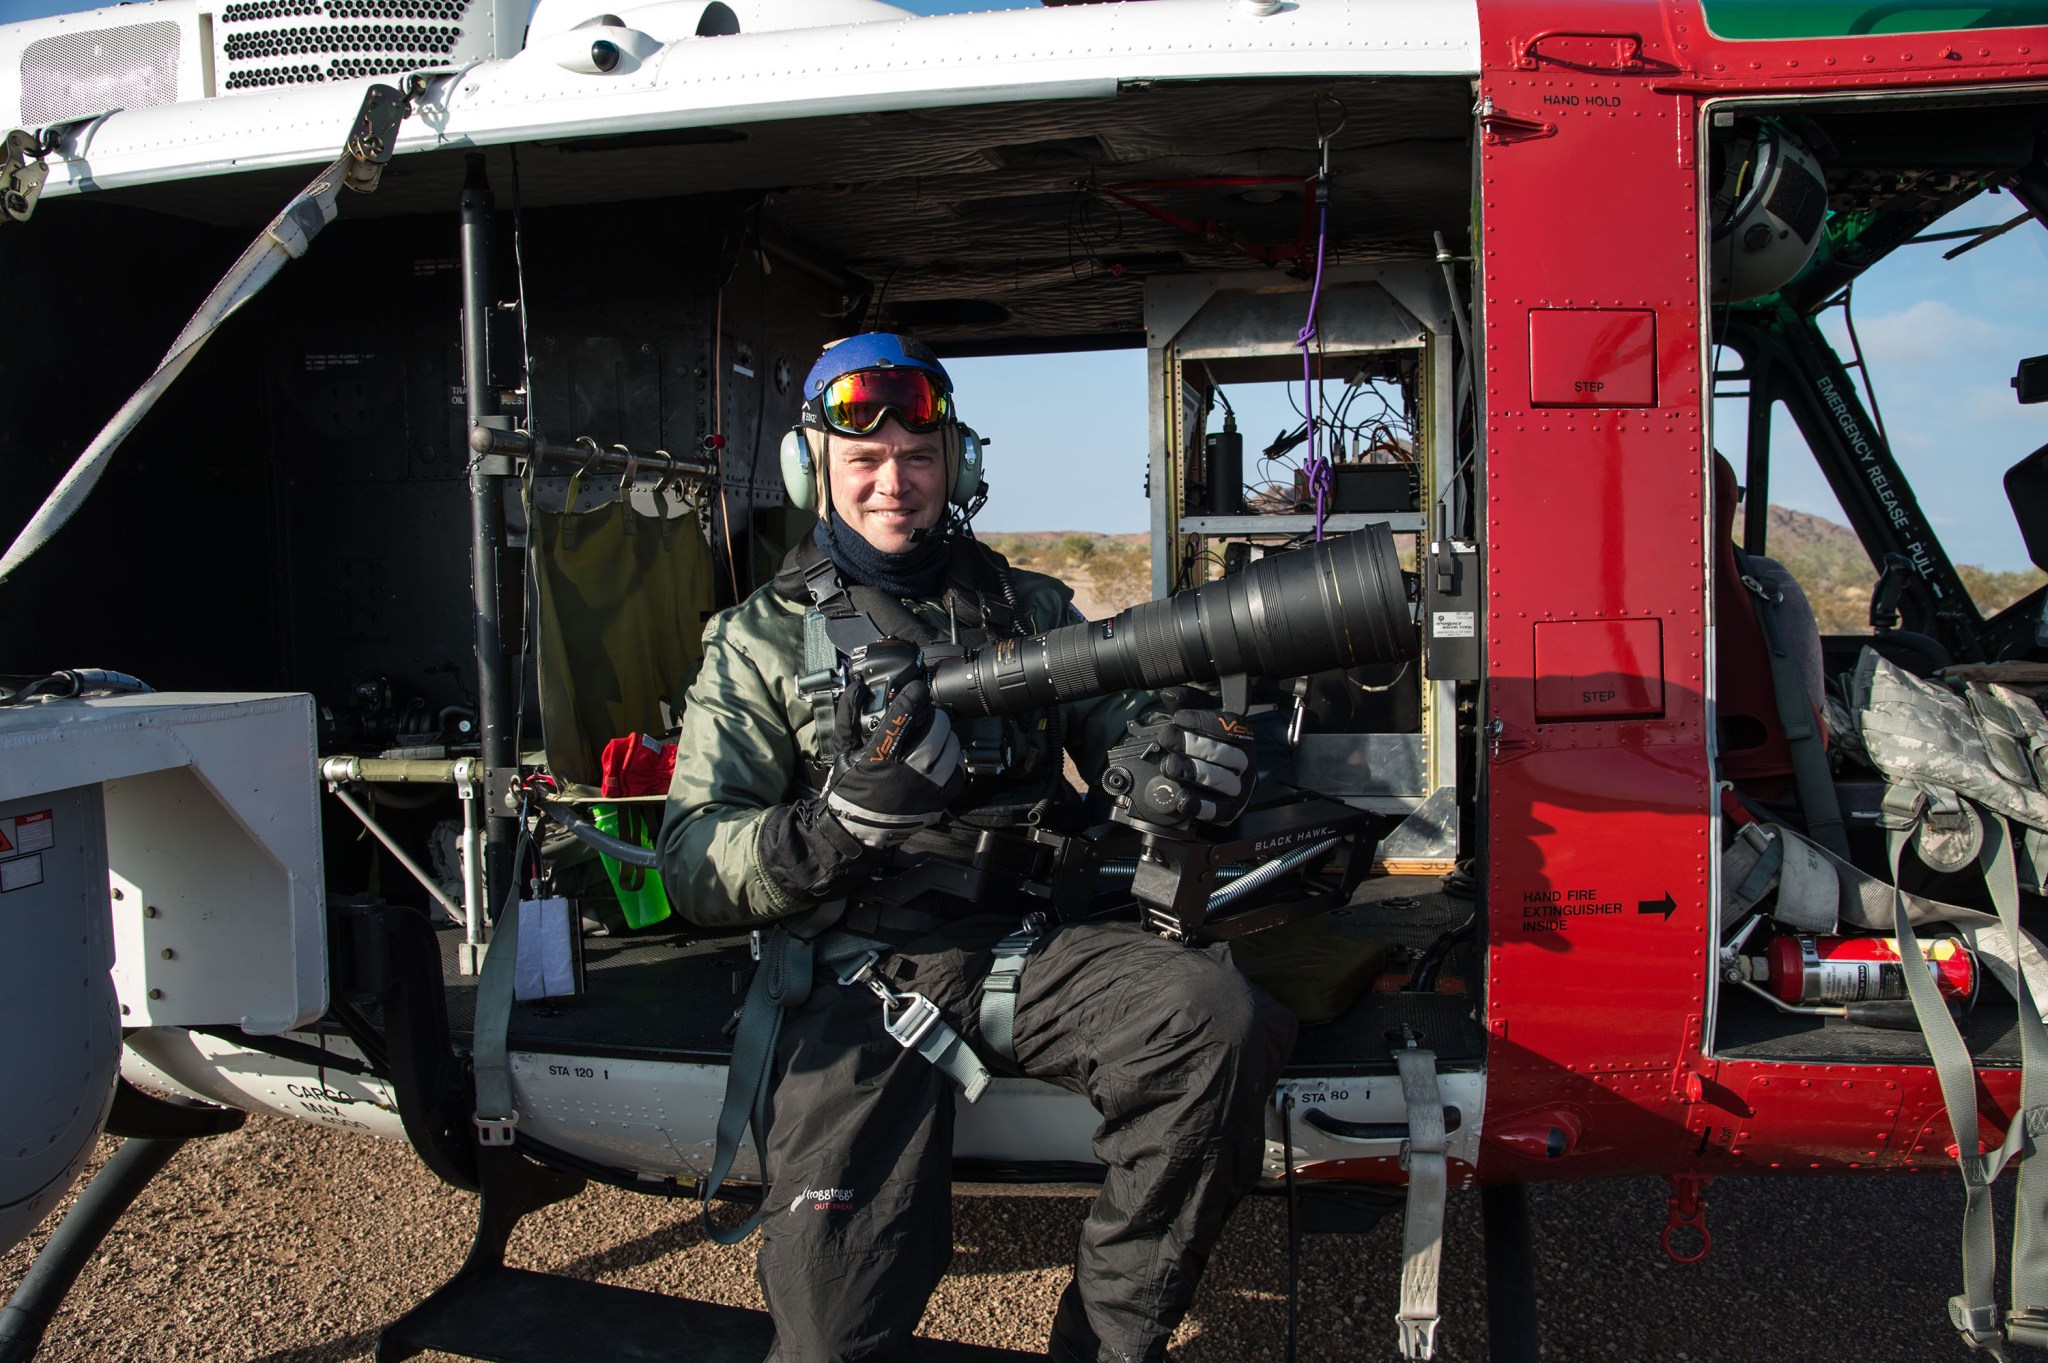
(591, 462)
(1324, 139)
(632, 468)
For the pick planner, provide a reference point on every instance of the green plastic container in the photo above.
(641, 897)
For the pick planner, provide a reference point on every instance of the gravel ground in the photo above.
(286, 1243)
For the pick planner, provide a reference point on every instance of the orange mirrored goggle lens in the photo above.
(856, 404)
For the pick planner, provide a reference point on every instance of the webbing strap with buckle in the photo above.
(1974, 1312)
(1422, 1222)
(782, 981)
(497, 1120)
(917, 1025)
(999, 990)
(791, 958)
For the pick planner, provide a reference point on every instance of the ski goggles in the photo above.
(858, 403)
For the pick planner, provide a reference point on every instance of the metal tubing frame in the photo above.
(468, 787)
(404, 859)
(1787, 359)
(588, 454)
(487, 523)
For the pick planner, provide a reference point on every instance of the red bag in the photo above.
(639, 764)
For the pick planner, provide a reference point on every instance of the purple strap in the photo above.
(1317, 465)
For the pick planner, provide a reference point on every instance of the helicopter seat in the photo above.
(1750, 730)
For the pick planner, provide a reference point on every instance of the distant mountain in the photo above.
(1829, 562)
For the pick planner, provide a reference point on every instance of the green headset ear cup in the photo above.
(963, 457)
(799, 470)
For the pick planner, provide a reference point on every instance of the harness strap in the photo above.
(917, 1025)
(2016, 959)
(999, 990)
(1974, 1312)
(2028, 1323)
(496, 1118)
(782, 981)
(792, 958)
(1811, 777)
(1422, 1222)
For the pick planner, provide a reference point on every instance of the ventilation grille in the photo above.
(274, 75)
(342, 68)
(261, 11)
(447, 11)
(263, 44)
(429, 39)
(130, 67)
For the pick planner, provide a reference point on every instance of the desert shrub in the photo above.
(1075, 547)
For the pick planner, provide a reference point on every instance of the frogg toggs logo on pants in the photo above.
(825, 1199)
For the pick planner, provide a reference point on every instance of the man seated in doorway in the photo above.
(798, 812)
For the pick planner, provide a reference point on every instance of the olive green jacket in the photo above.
(747, 735)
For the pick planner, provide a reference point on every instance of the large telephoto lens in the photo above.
(1341, 603)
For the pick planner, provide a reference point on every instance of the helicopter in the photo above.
(1608, 862)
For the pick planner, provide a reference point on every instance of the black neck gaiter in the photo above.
(916, 574)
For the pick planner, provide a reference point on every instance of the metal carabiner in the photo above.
(908, 1027)
(863, 970)
(917, 1015)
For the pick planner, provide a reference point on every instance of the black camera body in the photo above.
(1342, 603)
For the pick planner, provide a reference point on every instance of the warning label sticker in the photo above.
(320, 363)
(1561, 910)
(34, 832)
(27, 833)
(20, 873)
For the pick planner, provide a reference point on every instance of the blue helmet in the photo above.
(804, 449)
(872, 350)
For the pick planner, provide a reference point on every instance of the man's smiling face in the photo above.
(888, 483)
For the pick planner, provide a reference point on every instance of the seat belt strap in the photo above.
(781, 983)
(496, 1118)
(1974, 1311)
(915, 1023)
(792, 957)
(2028, 1323)
(2016, 959)
(999, 991)
(1422, 1223)
(1811, 777)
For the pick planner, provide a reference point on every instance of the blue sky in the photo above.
(1942, 339)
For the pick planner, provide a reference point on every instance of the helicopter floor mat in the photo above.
(662, 996)
(1753, 1030)
(652, 996)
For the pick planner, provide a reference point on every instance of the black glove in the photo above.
(809, 853)
(899, 769)
(1209, 756)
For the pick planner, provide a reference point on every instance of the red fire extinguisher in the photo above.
(1853, 973)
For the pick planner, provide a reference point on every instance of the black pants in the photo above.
(1176, 1050)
